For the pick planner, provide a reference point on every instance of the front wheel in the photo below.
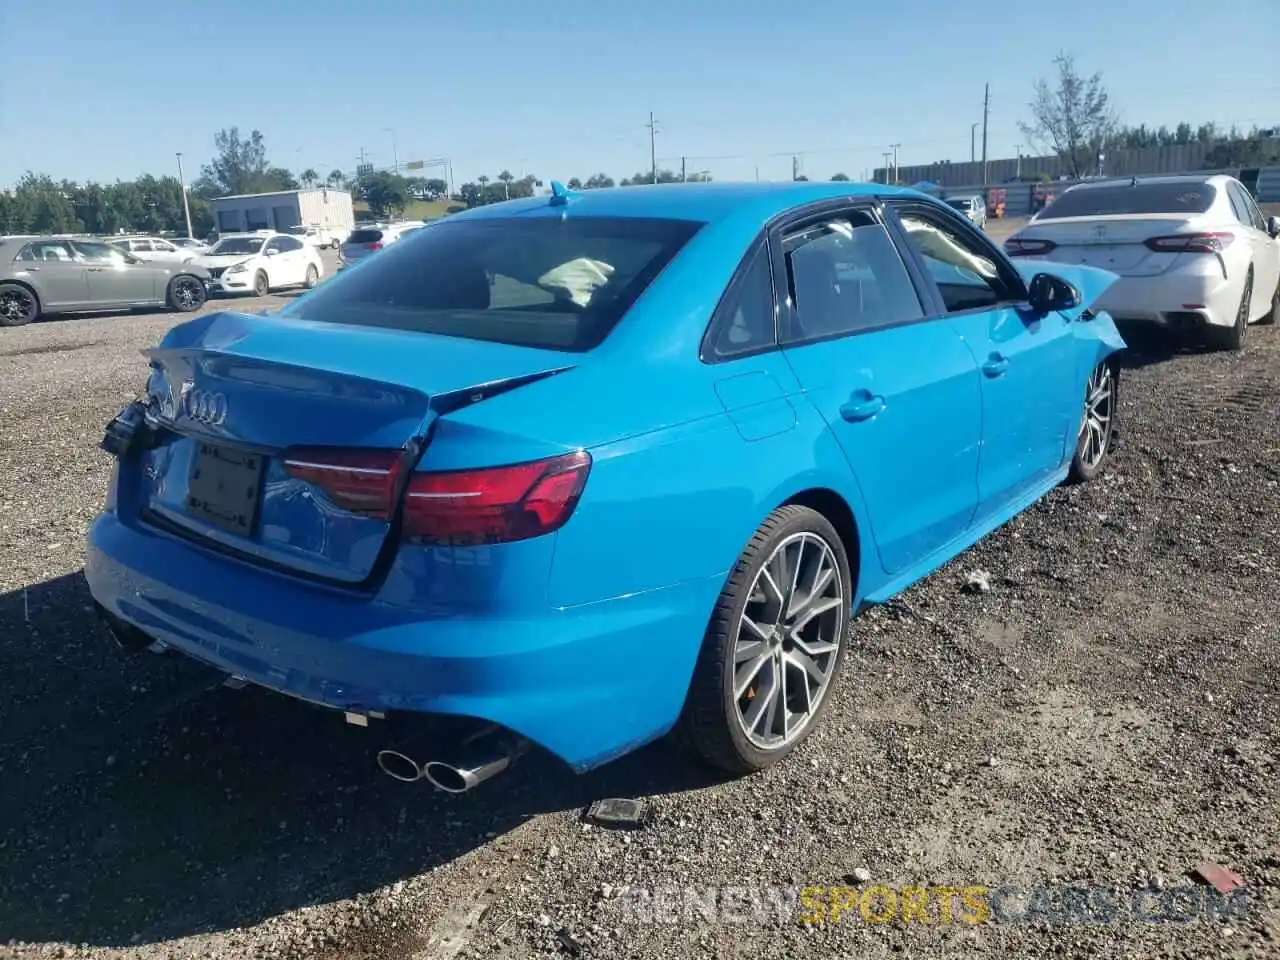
(18, 305)
(187, 293)
(261, 287)
(313, 276)
(773, 647)
(1097, 426)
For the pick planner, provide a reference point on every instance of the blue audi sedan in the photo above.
(584, 469)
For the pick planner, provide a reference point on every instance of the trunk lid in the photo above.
(234, 392)
(1114, 243)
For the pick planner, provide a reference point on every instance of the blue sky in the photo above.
(105, 90)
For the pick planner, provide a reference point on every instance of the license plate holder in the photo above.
(225, 487)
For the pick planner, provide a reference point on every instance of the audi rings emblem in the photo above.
(204, 406)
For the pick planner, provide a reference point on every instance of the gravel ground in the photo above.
(1105, 715)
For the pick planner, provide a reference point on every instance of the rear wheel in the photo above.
(773, 647)
(18, 305)
(313, 276)
(187, 293)
(1097, 426)
(1232, 337)
(261, 287)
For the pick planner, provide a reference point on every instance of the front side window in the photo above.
(745, 322)
(846, 275)
(102, 253)
(287, 244)
(967, 274)
(547, 282)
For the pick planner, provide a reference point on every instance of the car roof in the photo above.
(705, 202)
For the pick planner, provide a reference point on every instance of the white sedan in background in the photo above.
(153, 248)
(258, 263)
(1193, 252)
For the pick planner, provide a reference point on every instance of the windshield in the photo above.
(1128, 199)
(237, 245)
(542, 282)
(960, 204)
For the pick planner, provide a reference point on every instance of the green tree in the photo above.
(309, 177)
(240, 165)
(506, 176)
(1071, 117)
(336, 179)
(843, 178)
(385, 193)
(574, 184)
(599, 181)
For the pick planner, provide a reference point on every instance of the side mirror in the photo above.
(1273, 227)
(271, 253)
(1049, 293)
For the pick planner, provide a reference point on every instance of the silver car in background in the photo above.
(972, 206)
(45, 275)
(368, 240)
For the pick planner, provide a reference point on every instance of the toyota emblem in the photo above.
(204, 406)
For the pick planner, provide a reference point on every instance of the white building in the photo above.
(322, 207)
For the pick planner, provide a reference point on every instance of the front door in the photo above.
(116, 277)
(899, 390)
(1031, 402)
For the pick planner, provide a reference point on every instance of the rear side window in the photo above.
(364, 236)
(547, 282)
(1125, 199)
(846, 275)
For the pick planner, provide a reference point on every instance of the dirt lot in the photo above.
(1106, 715)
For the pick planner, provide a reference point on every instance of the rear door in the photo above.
(56, 272)
(898, 388)
(1265, 248)
(1031, 402)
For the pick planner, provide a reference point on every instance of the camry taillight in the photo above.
(1027, 247)
(495, 504)
(1191, 243)
(360, 480)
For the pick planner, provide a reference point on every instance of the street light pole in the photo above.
(186, 207)
(395, 153)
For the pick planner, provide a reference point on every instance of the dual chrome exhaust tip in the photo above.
(479, 757)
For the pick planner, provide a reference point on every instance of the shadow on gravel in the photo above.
(1147, 346)
(144, 802)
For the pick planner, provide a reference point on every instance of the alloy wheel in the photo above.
(187, 294)
(1095, 428)
(16, 305)
(788, 641)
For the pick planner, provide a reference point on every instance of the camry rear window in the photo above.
(557, 284)
(365, 236)
(1125, 199)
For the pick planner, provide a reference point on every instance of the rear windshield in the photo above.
(1124, 199)
(364, 236)
(961, 204)
(557, 284)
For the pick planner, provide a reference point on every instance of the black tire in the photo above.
(187, 293)
(1273, 314)
(1232, 337)
(1089, 460)
(261, 286)
(313, 276)
(18, 305)
(709, 724)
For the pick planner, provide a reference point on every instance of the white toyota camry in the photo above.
(1193, 252)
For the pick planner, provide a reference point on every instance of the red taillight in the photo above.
(362, 481)
(376, 245)
(1191, 243)
(494, 505)
(1025, 247)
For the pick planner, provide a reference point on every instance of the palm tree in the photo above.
(506, 177)
(309, 177)
(335, 178)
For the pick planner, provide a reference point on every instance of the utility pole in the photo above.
(895, 147)
(653, 146)
(1018, 148)
(757, 173)
(795, 167)
(684, 176)
(986, 113)
(886, 156)
(186, 207)
(395, 153)
(973, 150)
